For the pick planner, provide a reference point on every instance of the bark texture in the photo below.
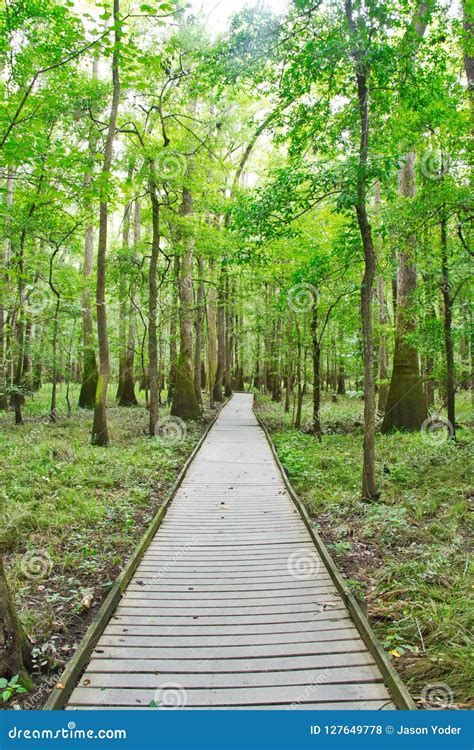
(185, 404)
(89, 371)
(369, 484)
(15, 649)
(405, 408)
(100, 435)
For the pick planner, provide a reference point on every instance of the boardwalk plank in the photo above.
(334, 676)
(231, 600)
(280, 695)
(214, 666)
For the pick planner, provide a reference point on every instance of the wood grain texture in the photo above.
(231, 605)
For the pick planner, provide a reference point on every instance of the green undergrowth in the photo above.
(72, 513)
(406, 555)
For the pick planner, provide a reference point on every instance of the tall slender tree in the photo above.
(100, 435)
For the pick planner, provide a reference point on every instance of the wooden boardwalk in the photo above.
(231, 605)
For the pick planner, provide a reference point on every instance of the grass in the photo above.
(407, 555)
(77, 511)
(73, 513)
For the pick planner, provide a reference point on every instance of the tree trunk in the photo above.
(127, 380)
(405, 407)
(275, 362)
(429, 386)
(267, 344)
(100, 435)
(199, 319)
(341, 378)
(383, 356)
(429, 360)
(468, 29)
(185, 404)
(123, 260)
(152, 306)
(4, 259)
(316, 350)
(18, 376)
(218, 390)
(257, 377)
(239, 353)
(173, 334)
(15, 649)
(299, 379)
(229, 337)
(212, 340)
(89, 373)
(288, 384)
(448, 333)
(53, 410)
(369, 485)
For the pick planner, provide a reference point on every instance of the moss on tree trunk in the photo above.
(89, 381)
(185, 404)
(15, 649)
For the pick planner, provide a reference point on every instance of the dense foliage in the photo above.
(284, 207)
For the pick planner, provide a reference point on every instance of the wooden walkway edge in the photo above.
(233, 600)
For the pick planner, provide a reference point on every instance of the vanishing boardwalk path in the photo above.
(231, 605)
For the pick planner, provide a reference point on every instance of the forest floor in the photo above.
(74, 514)
(407, 555)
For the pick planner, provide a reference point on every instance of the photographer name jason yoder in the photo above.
(432, 729)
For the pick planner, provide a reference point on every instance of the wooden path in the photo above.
(231, 605)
